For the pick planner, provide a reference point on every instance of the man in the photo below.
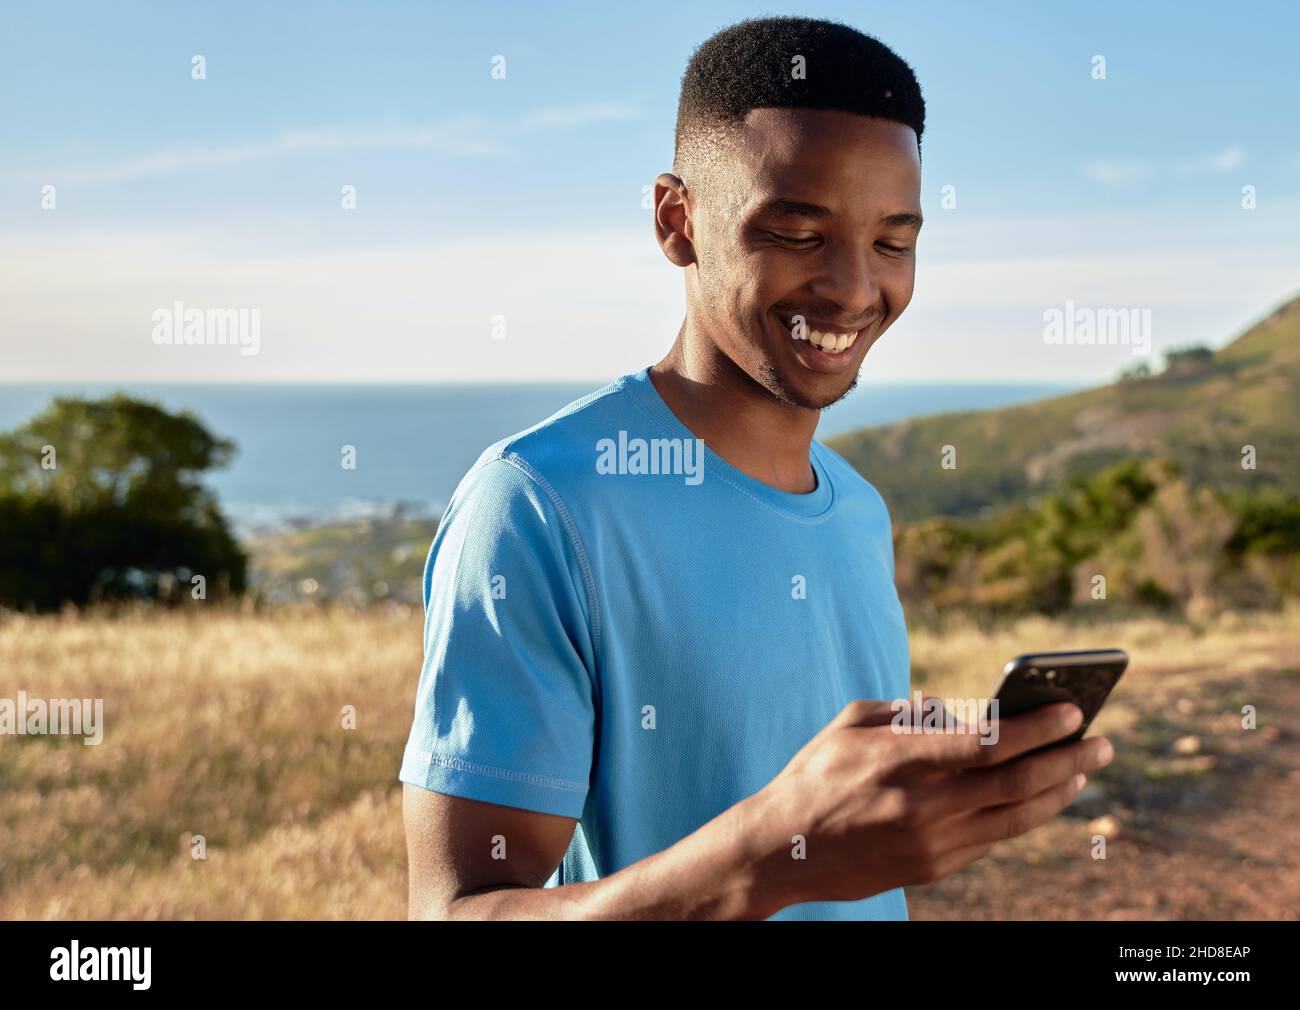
(658, 670)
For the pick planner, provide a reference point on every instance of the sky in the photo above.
(500, 231)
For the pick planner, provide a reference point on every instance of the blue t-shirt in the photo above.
(623, 628)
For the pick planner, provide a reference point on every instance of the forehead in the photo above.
(829, 157)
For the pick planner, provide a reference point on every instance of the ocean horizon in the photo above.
(415, 441)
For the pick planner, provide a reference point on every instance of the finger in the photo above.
(949, 715)
(1023, 777)
(994, 824)
(865, 712)
(959, 858)
(971, 747)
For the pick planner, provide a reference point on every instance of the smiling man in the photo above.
(653, 689)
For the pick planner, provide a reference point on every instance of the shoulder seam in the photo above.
(571, 532)
(505, 447)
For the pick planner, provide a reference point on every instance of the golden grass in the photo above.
(228, 724)
(222, 724)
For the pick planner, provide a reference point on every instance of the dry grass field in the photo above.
(229, 725)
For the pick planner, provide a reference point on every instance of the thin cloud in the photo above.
(456, 137)
(1118, 172)
(1228, 160)
(372, 313)
(465, 136)
(580, 115)
(1121, 172)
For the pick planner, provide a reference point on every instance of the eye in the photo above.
(895, 250)
(797, 242)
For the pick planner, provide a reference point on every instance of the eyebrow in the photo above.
(904, 220)
(783, 207)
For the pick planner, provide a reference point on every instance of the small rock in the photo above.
(1106, 825)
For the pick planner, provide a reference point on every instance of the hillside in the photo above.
(354, 561)
(1200, 414)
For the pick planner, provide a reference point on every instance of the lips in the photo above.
(827, 338)
(817, 346)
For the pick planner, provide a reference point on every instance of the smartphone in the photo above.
(1042, 678)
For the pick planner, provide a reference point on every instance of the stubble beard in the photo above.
(781, 391)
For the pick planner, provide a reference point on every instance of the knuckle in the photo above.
(857, 710)
(895, 806)
(911, 811)
(984, 755)
(926, 860)
(1017, 781)
(891, 754)
(830, 757)
(1019, 820)
(929, 865)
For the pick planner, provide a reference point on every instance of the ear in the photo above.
(673, 226)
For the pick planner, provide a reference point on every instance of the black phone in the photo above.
(1043, 678)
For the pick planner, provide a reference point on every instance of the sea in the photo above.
(412, 443)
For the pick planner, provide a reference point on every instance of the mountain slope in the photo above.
(1198, 413)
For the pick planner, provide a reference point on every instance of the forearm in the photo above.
(713, 873)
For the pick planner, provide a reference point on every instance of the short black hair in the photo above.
(752, 65)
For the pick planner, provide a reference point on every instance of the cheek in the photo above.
(773, 277)
(899, 287)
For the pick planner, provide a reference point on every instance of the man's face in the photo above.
(812, 214)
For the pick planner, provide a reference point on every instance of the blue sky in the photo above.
(522, 197)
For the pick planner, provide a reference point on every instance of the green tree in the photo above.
(103, 499)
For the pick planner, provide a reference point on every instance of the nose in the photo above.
(847, 279)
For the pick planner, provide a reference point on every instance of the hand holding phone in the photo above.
(1082, 678)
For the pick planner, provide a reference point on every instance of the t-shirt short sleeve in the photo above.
(505, 708)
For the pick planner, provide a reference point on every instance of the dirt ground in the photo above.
(1201, 816)
(217, 729)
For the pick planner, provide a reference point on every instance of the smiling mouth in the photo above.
(825, 339)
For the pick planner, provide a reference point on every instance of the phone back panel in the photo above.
(1085, 678)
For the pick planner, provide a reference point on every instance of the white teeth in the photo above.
(830, 343)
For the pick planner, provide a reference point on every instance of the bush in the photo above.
(99, 500)
(1158, 541)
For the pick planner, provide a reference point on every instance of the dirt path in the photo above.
(1201, 816)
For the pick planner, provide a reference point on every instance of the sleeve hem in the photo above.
(456, 777)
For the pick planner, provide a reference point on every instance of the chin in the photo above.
(798, 391)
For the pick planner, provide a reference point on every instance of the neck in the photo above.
(736, 417)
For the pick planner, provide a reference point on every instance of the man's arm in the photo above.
(877, 810)
(710, 874)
